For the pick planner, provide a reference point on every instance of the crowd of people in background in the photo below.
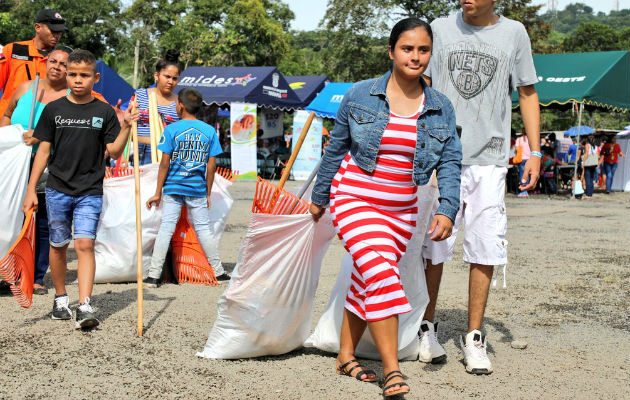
(597, 157)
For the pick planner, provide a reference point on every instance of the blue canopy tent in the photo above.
(307, 87)
(112, 86)
(328, 100)
(264, 86)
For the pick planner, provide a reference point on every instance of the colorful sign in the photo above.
(243, 139)
(311, 150)
(271, 122)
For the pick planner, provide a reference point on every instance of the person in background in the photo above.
(590, 159)
(523, 143)
(185, 177)
(609, 158)
(166, 76)
(21, 61)
(572, 151)
(562, 149)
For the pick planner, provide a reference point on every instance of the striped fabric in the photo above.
(375, 215)
(168, 113)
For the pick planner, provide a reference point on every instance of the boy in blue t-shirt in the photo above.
(186, 174)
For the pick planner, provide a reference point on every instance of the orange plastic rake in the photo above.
(190, 264)
(272, 199)
(18, 266)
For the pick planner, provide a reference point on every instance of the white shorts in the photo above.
(482, 210)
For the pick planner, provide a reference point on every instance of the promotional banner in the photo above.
(271, 122)
(243, 139)
(311, 150)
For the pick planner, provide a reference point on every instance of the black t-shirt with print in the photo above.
(78, 134)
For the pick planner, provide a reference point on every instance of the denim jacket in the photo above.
(361, 121)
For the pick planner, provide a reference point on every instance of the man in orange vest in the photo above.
(21, 61)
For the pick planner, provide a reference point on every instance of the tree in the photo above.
(427, 10)
(16, 23)
(527, 14)
(592, 36)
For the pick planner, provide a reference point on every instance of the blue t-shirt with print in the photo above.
(190, 143)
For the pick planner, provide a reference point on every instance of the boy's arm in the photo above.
(39, 164)
(530, 112)
(162, 173)
(212, 166)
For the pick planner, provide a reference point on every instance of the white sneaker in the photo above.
(430, 350)
(475, 357)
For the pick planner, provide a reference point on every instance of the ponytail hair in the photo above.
(170, 58)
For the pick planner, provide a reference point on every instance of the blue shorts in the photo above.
(63, 209)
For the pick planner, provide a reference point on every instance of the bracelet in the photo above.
(536, 154)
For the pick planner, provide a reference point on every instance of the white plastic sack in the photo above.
(15, 157)
(115, 246)
(222, 203)
(327, 332)
(267, 308)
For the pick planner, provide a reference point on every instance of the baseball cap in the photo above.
(53, 19)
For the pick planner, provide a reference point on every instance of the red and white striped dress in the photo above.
(375, 215)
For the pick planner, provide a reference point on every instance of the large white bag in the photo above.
(267, 308)
(115, 246)
(326, 334)
(15, 157)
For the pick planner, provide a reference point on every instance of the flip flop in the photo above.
(342, 370)
(403, 387)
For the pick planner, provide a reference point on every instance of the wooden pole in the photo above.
(294, 154)
(136, 174)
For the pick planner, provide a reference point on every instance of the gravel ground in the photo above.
(567, 297)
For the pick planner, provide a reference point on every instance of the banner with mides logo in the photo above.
(243, 139)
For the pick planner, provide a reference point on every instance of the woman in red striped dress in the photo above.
(390, 134)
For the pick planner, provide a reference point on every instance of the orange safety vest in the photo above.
(19, 62)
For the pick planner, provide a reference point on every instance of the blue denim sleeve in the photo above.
(449, 169)
(337, 149)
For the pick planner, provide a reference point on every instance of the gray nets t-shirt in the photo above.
(477, 68)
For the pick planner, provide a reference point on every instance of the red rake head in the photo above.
(269, 199)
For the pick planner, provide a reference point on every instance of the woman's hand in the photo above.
(441, 228)
(316, 211)
(28, 138)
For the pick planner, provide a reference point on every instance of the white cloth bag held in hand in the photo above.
(326, 334)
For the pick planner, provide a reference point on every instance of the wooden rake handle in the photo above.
(136, 172)
(294, 154)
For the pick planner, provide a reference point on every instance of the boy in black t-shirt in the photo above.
(75, 132)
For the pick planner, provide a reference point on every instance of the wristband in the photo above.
(536, 154)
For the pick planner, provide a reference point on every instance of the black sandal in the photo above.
(403, 384)
(341, 370)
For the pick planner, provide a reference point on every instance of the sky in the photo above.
(308, 13)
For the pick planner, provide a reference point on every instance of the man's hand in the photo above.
(209, 202)
(30, 201)
(532, 171)
(154, 201)
(316, 211)
(441, 228)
